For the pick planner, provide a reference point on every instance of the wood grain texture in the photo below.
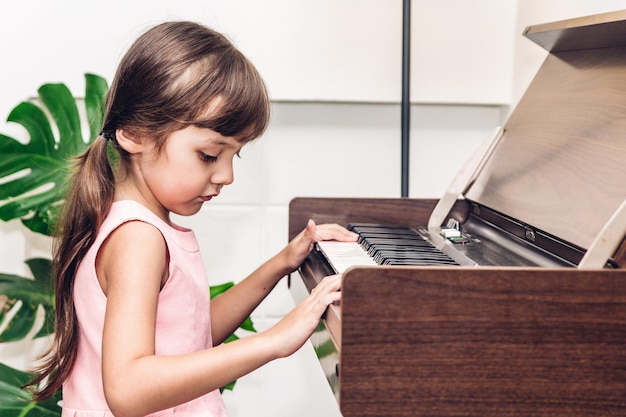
(483, 342)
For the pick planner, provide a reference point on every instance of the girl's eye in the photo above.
(207, 158)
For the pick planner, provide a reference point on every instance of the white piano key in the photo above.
(343, 255)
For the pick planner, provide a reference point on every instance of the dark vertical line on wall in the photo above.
(406, 96)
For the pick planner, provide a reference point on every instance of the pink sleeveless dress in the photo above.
(183, 322)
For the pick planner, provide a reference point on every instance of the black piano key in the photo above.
(385, 257)
(398, 245)
(417, 262)
(365, 229)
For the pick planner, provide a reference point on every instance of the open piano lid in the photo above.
(559, 168)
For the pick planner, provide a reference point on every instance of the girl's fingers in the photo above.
(334, 232)
(327, 291)
(328, 283)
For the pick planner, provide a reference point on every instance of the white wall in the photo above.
(313, 50)
(333, 144)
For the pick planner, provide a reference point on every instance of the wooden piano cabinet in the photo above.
(462, 341)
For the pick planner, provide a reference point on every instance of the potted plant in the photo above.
(32, 187)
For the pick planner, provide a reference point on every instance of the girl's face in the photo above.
(192, 167)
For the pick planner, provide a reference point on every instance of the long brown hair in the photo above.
(166, 81)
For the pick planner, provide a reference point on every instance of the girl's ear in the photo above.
(129, 142)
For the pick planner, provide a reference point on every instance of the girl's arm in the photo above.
(232, 307)
(131, 268)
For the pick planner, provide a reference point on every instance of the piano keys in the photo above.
(383, 245)
(514, 325)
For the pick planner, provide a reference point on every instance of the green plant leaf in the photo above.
(228, 387)
(21, 323)
(36, 123)
(33, 175)
(95, 93)
(248, 325)
(16, 402)
(62, 106)
(41, 270)
(221, 288)
(26, 295)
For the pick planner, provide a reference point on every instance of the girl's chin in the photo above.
(189, 209)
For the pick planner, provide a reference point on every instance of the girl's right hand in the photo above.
(298, 325)
(301, 245)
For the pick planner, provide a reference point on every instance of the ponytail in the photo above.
(87, 204)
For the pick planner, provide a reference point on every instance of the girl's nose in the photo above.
(224, 174)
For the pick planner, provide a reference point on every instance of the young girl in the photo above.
(136, 333)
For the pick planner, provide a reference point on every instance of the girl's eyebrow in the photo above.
(223, 142)
(226, 143)
(216, 141)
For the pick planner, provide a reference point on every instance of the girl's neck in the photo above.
(126, 192)
(130, 186)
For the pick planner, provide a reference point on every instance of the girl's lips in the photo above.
(208, 197)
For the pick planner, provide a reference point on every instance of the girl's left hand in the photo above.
(298, 249)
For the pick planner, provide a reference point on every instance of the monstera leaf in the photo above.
(33, 175)
(16, 402)
(22, 298)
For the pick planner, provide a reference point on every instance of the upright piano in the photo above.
(529, 318)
